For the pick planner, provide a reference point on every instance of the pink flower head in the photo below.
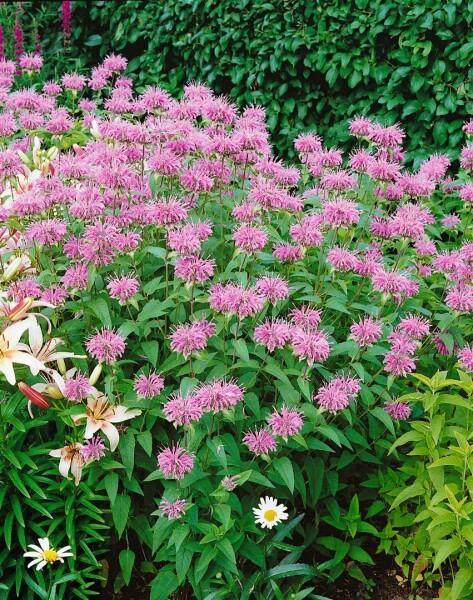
(115, 62)
(93, 449)
(451, 221)
(308, 142)
(260, 442)
(341, 259)
(287, 252)
(122, 288)
(305, 317)
(336, 395)
(175, 462)
(399, 411)
(286, 423)
(465, 358)
(460, 299)
(273, 289)
(399, 363)
(182, 410)
(307, 231)
(106, 346)
(466, 193)
(51, 88)
(191, 337)
(77, 388)
(148, 386)
(386, 137)
(366, 332)
(414, 327)
(466, 158)
(173, 510)
(360, 160)
(273, 334)
(340, 212)
(229, 482)
(31, 62)
(219, 395)
(194, 269)
(76, 277)
(310, 345)
(360, 126)
(73, 81)
(250, 239)
(393, 282)
(337, 180)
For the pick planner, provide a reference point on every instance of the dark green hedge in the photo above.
(312, 63)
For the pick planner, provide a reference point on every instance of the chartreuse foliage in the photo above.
(430, 523)
(311, 64)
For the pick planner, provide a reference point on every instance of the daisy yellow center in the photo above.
(270, 515)
(50, 555)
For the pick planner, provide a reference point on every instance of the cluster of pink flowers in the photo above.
(175, 214)
(191, 337)
(210, 397)
(405, 340)
(336, 395)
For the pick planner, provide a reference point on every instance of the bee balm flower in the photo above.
(44, 554)
(269, 513)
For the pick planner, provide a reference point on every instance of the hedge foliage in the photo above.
(310, 62)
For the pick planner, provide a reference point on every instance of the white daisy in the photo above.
(269, 513)
(44, 554)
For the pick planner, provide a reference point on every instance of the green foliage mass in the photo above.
(312, 63)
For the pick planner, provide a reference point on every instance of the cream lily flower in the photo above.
(10, 351)
(44, 554)
(101, 415)
(45, 352)
(71, 460)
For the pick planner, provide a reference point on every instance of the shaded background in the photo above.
(311, 63)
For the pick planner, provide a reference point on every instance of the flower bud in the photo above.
(62, 366)
(53, 392)
(95, 374)
(23, 157)
(12, 269)
(33, 396)
(20, 309)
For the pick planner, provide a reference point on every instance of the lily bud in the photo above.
(12, 269)
(32, 395)
(62, 366)
(19, 310)
(23, 157)
(52, 153)
(53, 392)
(95, 374)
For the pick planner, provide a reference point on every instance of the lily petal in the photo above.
(112, 433)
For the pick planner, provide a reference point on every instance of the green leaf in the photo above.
(127, 450)
(120, 512)
(290, 571)
(127, 560)
(163, 585)
(283, 467)
(226, 548)
(203, 562)
(417, 489)
(183, 563)
(445, 549)
(99, 308)
(93, 40)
